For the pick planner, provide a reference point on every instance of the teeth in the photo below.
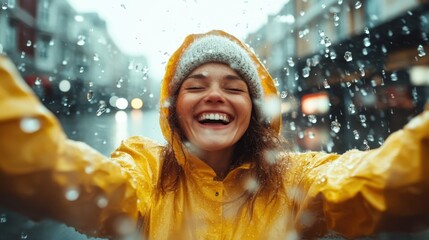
(214, 116)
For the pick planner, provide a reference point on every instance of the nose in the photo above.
(215, 95)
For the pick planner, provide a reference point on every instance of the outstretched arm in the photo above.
(359, 193)
(44, 174)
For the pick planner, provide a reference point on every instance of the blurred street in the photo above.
(106, 131)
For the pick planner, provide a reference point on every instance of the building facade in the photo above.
(349, 72)
(68, 58)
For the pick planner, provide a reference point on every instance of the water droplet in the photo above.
(102, 202)
(72, 194)
(394, 77)
(291, 62)
(4, 5)
(306, 72)
(119, 83)
(336, 18)
(3, 218)
(30, 124)
(151, 95)
(96, 57)
(335, 126)
(283, 94)
(22, 54)
(365, 51)
(366, 42)
(123, 6)
(81, 40)
(24, 235)
(358, 4)
(101, 108)
(90, 95)
(421, 51)
(356, 134)
(312, 118)
(352, 108)
(405, 30)
(370, 138)
(326, 84)
(333, 55)
(348, 56)
(311, 135)
(64, 62)
(292, 126)
(28, 43)
(81, 69)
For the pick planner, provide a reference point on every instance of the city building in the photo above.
(67, 57)
(349, 72)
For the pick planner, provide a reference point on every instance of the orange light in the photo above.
(136, 103)
(315, 103)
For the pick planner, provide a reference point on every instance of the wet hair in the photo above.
(260, 145)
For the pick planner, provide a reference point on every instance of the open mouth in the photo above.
(214, 118)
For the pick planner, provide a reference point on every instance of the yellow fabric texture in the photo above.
(353, 194)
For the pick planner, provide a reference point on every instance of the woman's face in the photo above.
(214, 107)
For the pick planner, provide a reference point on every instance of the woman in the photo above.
(224, 172)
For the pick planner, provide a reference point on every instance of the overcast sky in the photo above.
(156, 28)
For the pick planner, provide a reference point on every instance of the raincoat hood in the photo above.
(171, 82)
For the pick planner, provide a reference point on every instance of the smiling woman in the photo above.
(224, 173)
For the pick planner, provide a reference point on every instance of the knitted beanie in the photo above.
(220, 49)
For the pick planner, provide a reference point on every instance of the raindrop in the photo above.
(28, 43)
(4, 6)
(370, 138)
(394, 77)
(123, 6)
(22, 54)
(72, 194)
(312, 118)
(96, 57)
(333, 55)
(326, 84)
(306, 72)
(90, 95)
(405, 30)
(291, 62)
(366, 30)
(311, 135)
(301, 135)
(151, 95)
(365, 51)
(283, 94)
(348, 56)
(292, 126)
(101, 108)
(64, 62)
(366, 42)
(335, 126)
(362, 71)
(365, 145)
(30, 124)
(383, 49)
(81, 69)
(102, 202)
(380, 140)
(81, 40)
(352, 108)
(3, 218)
(119, 83)
(421, 51)
(51, 43)
(24, 235)
(358, 5)
(336, 18)
(78, 18)
(356, 134)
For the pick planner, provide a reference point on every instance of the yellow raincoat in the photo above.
(44, 174)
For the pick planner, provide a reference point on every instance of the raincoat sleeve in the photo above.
(45, 175)
(363, 192)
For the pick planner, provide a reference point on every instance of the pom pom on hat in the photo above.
(213, 48)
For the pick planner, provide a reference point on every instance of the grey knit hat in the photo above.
(212, 48)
